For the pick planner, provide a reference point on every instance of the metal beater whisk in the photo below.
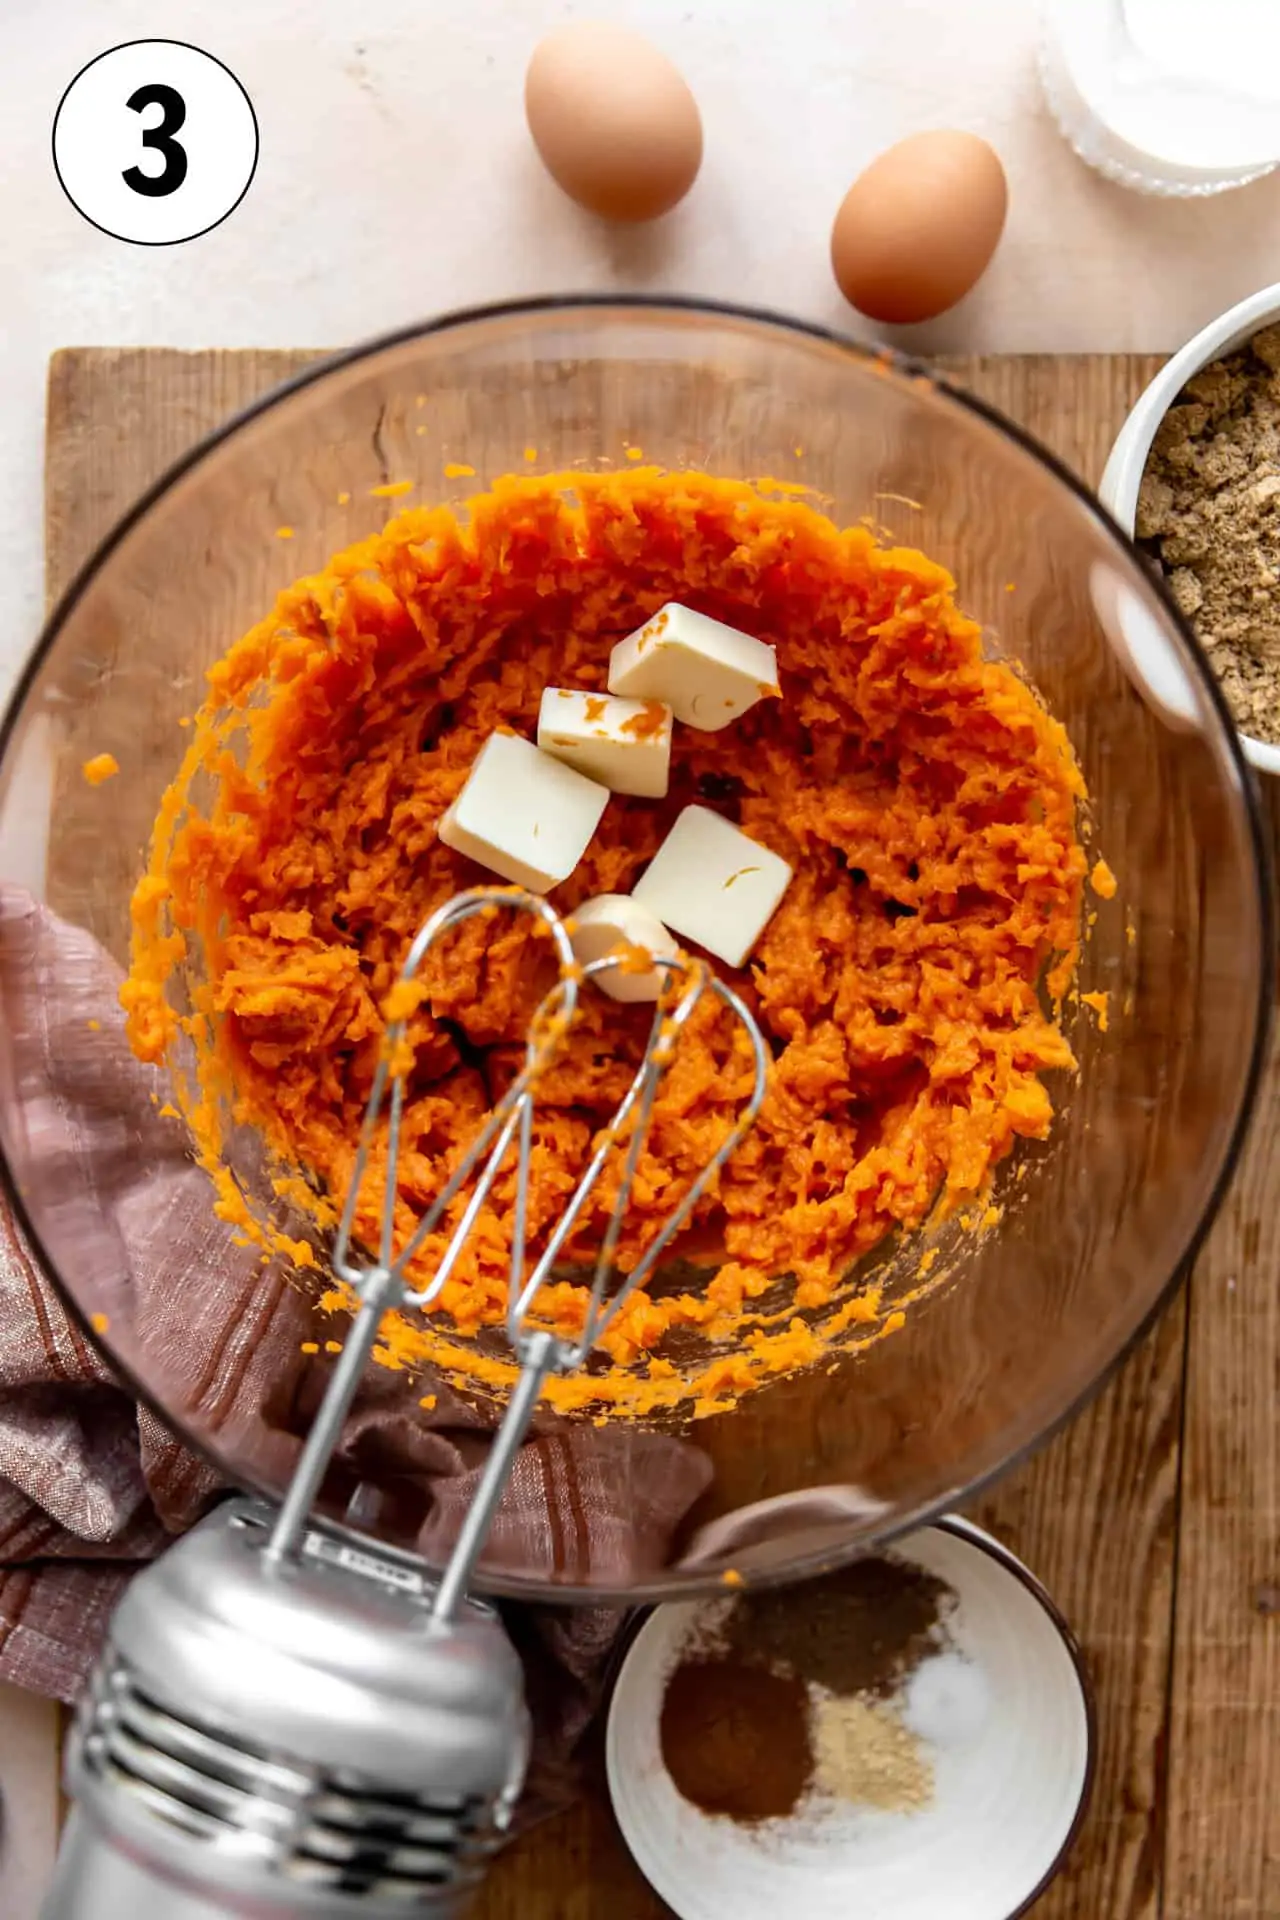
(284, 1723)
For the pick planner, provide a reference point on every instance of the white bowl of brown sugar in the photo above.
(1194, 477)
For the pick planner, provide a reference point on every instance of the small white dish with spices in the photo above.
(1244, 677)
(908, 1740)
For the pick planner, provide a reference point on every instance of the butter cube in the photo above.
(523, 815)
(624, 744)
(707, 673)
(613, 920)
(712, 884)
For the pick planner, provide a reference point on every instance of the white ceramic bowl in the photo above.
(1118, 489)
(1012, 1770)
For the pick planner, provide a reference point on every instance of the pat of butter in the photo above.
(614, 920)
(624, 744)
(707, 673)
(712, 884)
(523, 815)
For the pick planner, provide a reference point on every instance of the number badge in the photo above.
(155, 142)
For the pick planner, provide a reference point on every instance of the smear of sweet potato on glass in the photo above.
(907, 984)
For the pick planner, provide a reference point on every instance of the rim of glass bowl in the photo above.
(675, 1584)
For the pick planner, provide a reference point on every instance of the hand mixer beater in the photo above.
(286, 1721)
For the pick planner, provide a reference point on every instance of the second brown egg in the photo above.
(918, 227)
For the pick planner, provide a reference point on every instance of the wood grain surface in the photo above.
(1153, 1518)
(1223, 1812)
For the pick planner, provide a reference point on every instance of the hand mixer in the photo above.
(284, 1722)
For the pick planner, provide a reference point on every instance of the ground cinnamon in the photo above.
(735, 1738)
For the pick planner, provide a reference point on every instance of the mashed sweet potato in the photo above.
(907, 984)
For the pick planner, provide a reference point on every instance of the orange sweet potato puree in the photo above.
(907, 984)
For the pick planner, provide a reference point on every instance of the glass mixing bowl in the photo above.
(1097, 1222)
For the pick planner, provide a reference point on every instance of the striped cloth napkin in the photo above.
(92, 1484)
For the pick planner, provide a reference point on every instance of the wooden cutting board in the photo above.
(1154, 1519)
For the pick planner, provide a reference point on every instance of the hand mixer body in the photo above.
(263, 1740)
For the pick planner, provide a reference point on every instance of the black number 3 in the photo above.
(157, 185)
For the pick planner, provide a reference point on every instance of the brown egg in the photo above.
(614, 122)
(918, 228)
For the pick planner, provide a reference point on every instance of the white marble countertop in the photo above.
(396, 179)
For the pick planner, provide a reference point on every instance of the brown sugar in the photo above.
(1209, 510)
(735, 1738)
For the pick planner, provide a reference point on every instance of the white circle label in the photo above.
(155, 142)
